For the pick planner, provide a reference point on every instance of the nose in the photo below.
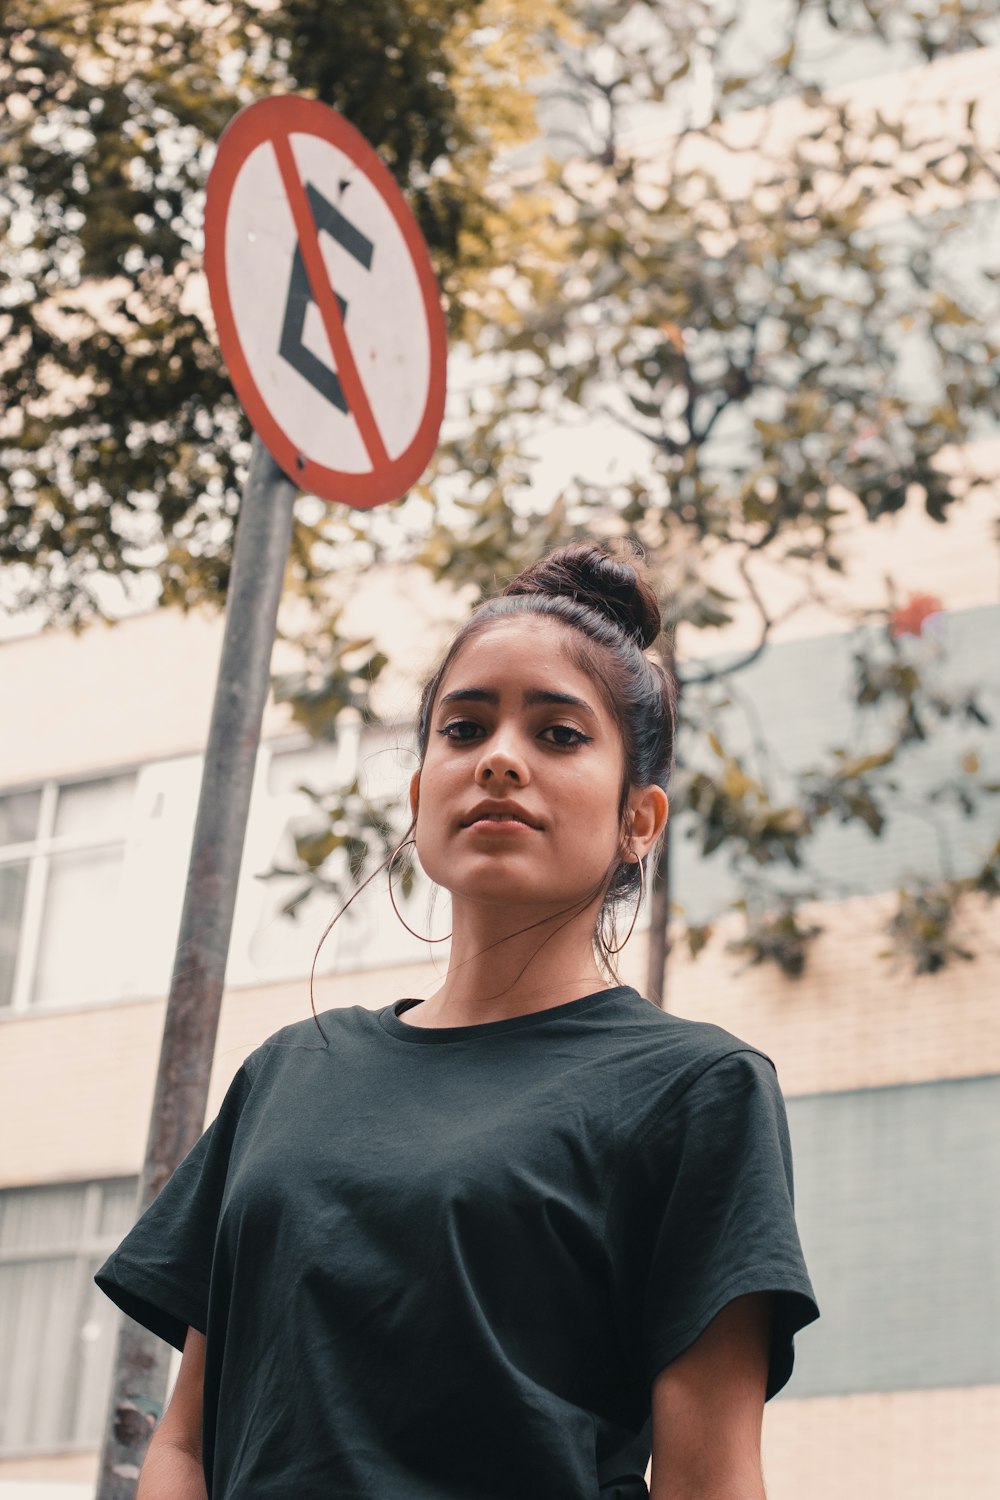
(501, 761)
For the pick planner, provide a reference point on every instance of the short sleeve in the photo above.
(160, 1273)
(718, 1220)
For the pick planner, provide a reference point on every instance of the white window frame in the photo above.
(38, 854)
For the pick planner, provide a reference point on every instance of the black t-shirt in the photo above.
(445, 1264)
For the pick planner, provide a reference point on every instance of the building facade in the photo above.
(892, 1082)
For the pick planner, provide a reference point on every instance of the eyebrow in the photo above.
(531, 697)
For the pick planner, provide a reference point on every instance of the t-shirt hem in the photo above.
(795, 1310)
(163, 1306)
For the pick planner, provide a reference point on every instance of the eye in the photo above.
(461, 731)
(565, 737)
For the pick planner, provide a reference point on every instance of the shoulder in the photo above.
(688, 1091)
(666, 1056)
(323, 1033)
(673, 1034)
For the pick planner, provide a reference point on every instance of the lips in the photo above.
(499, 815)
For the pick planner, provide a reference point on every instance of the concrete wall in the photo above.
(899, 1213)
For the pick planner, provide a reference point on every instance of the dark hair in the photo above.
(609, 604)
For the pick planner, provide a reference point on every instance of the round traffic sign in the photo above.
(327, 308)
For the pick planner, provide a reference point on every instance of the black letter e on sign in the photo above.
(291, 348)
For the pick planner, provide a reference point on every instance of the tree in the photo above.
(749, 276)
(122, 448)
(767, 298)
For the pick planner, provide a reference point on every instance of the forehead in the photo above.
(521, 653)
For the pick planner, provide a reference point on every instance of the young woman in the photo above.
(501, 1243)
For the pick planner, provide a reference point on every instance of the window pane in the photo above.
(79, 952)
(40, 1301)
(45, 1218)
(13, 881)
(95, 809)
(119, 1209)
(90, 1360)
(282, 945)
(19, 817)
(56, 1330)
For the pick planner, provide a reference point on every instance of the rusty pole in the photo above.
(263, 538)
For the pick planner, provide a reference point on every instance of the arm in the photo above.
(708, 1406)
(172, 1469)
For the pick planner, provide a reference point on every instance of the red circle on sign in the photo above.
(274, 121)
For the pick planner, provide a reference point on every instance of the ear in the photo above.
(414, 792)
(647, 808)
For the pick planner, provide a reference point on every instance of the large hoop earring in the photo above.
(418, 935)
(612, 952)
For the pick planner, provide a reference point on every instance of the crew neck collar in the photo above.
(483, 1030)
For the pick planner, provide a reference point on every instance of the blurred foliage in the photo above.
(923, 929)
(766, 297)
(350, 835)
(336, 675)
(122, 448)
(777, 935)
(749, 277)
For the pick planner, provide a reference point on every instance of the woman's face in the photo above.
(517, 800)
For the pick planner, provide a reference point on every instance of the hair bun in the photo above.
(611, 585)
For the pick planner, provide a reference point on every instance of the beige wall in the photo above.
(113, 696)
(905, 1445)
(142, 689)
(855, 1019)
(76, 1086)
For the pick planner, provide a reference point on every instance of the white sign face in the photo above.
(326, 304)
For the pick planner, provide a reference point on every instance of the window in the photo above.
(57, 1331)
(375, 937)
(280, 946)
(268, 943)
(62, 852)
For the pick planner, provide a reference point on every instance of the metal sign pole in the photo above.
(263, 538)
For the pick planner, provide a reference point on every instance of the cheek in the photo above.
(431, 799)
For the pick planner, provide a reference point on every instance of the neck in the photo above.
(511, 966)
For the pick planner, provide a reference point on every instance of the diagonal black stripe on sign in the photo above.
(331, 221)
